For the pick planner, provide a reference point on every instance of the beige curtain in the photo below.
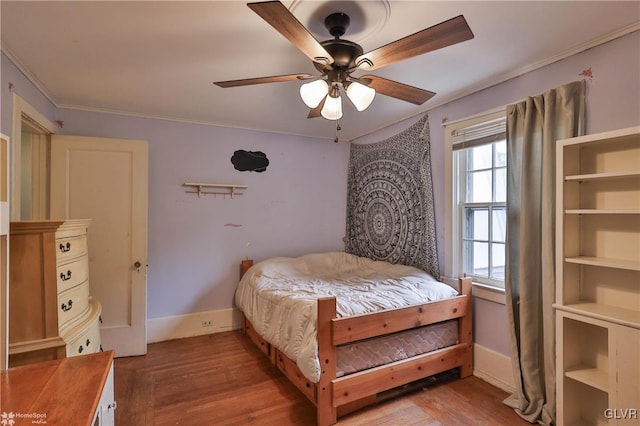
(533, 127)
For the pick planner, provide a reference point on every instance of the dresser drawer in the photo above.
(88, 342)
(72, 303)
(71, 274)
(70, 248)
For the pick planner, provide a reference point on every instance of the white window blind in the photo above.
(479, 134)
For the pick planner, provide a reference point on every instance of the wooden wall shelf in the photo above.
(232, 189)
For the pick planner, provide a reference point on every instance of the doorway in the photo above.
(30, 161)
(96, 168)
(35, 167)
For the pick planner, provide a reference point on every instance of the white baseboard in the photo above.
(179, 326)
(493, 367)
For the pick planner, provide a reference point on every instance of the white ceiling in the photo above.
(159, 58)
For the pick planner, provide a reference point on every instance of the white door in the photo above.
(105, 180)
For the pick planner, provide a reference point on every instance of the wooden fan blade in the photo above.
(261, 80)
(279, 17)
(444, 34)
(397, 90)
(315, 112)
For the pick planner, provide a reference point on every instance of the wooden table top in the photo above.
(60, 392)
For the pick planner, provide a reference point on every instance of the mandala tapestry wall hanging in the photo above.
(390, 213)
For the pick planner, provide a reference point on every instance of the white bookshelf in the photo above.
(598, 279)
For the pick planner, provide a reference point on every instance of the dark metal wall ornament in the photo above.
(250, 161)
(390, 212)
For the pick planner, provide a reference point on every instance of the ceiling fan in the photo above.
(336, 59)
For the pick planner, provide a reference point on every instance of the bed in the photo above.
(345, 329)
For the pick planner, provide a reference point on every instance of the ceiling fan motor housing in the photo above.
(344, 52)
(337, 23)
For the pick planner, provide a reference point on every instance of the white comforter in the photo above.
(278, 297)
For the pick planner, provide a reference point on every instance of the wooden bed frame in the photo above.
(336, 396)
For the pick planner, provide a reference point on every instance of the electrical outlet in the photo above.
(207, 323)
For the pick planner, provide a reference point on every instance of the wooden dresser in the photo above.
(41, 393)
(51, 314)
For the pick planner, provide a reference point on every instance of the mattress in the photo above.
(279, 297)
(370, 353)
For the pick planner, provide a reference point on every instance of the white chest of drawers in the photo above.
(51, 312)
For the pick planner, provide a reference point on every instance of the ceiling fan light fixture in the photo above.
(332, 109)
(360, 95)
(337, 58)
(313, 92)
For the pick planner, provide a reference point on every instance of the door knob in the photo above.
(137, 265)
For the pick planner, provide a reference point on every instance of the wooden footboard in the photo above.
(335, 396)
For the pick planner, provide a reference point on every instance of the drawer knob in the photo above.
(66, 277)
(88, 343)
(67, 306)
(80, 349)
(65, 247)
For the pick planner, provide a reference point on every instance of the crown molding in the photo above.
(22, 67)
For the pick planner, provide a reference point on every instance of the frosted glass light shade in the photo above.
(332, 109)
(313, 92)
(360, 95)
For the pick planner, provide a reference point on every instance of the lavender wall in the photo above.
(613, 101)
(298, 205)
(23, 87)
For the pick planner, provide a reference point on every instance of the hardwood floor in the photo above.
(223, 379)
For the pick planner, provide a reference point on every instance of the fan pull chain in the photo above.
(338, 128)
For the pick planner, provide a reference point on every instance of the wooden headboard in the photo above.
(244, 266)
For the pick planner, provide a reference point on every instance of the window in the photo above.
(478, 198)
